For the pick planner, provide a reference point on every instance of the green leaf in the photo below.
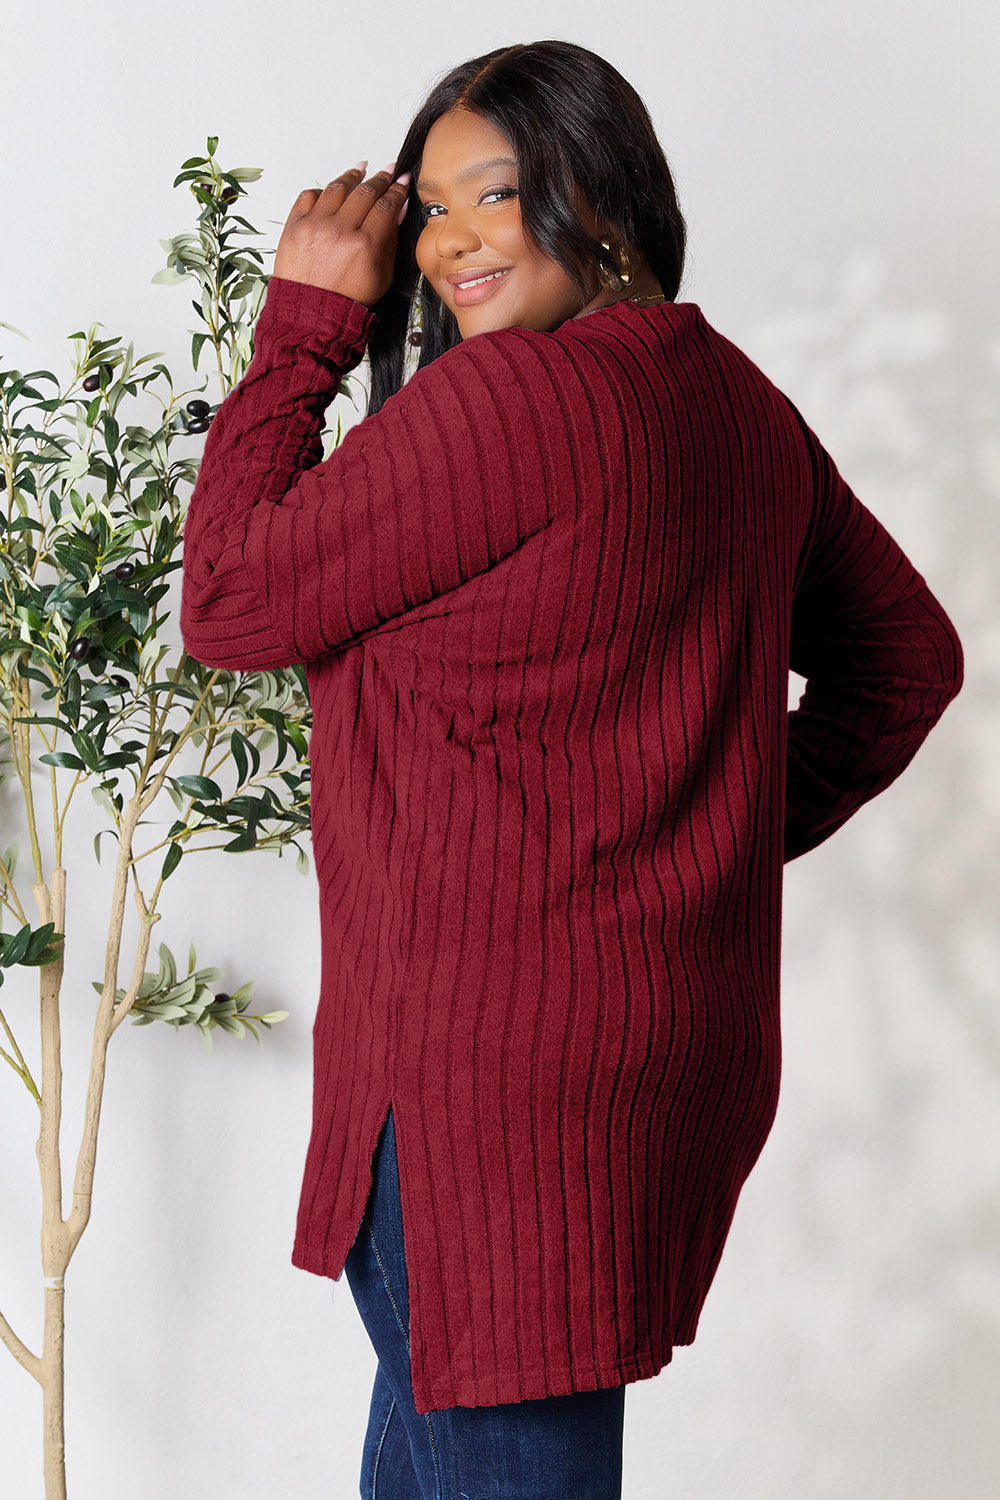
(277, 721)
(79, 464)
(230, 1024)
(98, 836)
(171, 860)
(102, 796)
(39, 719)
(63, 758)
(238, 749)
(168, 277)
(13, 948)
(167, 1012)
(88, 750)
(183, 993)
(200, 786)
(254, 757)
(120, 758)
(168, 968)
(175, 796)
(241, 844)
(44, 945)
(297, 738)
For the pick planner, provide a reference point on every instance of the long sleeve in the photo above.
(287, 557)
(881, 659)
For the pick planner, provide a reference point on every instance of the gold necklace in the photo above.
(655, 297)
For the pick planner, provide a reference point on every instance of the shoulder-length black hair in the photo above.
(572, 120)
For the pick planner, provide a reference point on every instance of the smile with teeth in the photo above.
(480, 279)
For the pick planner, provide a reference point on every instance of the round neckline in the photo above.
(620, 302)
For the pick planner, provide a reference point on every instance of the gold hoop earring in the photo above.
(615, 280)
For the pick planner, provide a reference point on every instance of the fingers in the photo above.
(351, 198)
(304, 204)
(330, 197)
(380, 191)
(349, 179)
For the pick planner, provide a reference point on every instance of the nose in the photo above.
(456, 236)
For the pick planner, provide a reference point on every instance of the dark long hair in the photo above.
(572, 120)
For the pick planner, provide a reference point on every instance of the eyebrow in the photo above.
(425, 186)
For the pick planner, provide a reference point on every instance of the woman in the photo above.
(547, 594)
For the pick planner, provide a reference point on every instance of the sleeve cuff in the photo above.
(337, 323)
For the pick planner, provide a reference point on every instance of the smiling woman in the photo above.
(472, 247)
(547, 594)
(518, 166)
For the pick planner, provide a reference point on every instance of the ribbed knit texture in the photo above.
(548, 598)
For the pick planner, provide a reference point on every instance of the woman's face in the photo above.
(467, 188)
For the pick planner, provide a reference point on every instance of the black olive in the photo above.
(79, 650)
(415, 338)
(199, 424)
(223, 996)
(198, 408)
(119, 680)
(93, 382)
(124, 570)
(229, 195)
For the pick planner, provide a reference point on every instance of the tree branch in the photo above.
(51, 908)
(20, 1350)
(139, 967)
(20, 1066)
(107, 1019)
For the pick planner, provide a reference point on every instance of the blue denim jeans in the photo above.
(557, 1448)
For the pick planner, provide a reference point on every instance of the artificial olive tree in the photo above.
(92, 694)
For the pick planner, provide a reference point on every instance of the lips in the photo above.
(474, 273)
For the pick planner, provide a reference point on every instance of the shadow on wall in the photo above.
(892, 1059)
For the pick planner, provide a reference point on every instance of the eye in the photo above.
(426, 209)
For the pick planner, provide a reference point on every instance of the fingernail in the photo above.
(390, 168)
(404, 177)
(402, 212)
(359, 166)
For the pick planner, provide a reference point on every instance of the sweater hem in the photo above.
(533, 1384)
(506, 1387)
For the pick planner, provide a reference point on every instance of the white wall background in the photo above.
(838, 164)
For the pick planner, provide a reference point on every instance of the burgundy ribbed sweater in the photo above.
(548, 598)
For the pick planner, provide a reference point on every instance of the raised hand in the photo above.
(344, 238)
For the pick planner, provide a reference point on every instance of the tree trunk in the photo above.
(56, 1245)
(60, 1236)
(52, 1392)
